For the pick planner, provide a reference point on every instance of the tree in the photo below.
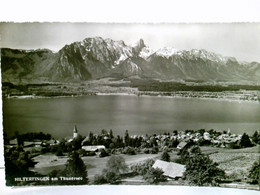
(165, 156)
(201, 170)
(103, 153)
(90, 139)
(103, 132)
(245, 141)
(111, 134)
(155, 150)
(127, 138)
(142, 168)
(17, 164)
(175, 132)
(114, 168)
(174, 143)
(256, 137)
(201, 131)
(6, 139)
(59, 153)
(254, 173)
(76, 142)
(117, 164)
(151, 175)
(75, 167)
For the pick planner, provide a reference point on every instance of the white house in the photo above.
(93, 148)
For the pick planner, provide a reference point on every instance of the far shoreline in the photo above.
(156, 94)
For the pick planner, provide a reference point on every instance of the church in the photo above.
(75, 134)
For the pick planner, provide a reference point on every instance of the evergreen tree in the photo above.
(75, 167)
(256, 137)
(111, 134)
(245, 141)
(165, 156)
(127, 138)
(90, 138)
(76, 143)
(254, 173)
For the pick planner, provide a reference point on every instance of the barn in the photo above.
(171, 170)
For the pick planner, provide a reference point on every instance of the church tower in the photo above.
(75, 132)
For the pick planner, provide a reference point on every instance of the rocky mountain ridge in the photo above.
(95, 58)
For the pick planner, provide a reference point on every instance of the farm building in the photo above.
(182, 145)
(170, 169)
(93, 148)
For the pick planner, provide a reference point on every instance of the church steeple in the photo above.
(75, 132)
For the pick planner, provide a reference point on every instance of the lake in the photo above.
(140, 115)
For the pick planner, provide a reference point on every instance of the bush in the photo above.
(53, 149)
(146, 151)
(142, 168)
(129, 150)
(82, 152)
(234, 145)
(112, 146)
(154, 176)
(111, 176)
(44, 150)
(100, 179)
(155, 150)
(151, 175)
(59, 153)
(103, 153)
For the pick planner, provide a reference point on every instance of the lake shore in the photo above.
(142, 94)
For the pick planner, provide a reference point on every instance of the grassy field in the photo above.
(48, 162)
(235, 162)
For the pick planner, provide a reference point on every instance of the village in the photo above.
(164, 152)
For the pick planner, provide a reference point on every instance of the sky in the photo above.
(239, 40)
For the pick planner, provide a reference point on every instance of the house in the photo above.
(182, 145)
(171, 170)
(51, 142)
(32, 144)
(206, 136)
(13, 142)
(93, 148)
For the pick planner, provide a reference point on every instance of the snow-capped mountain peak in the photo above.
(166, 51)
(97, 58)
(146, 52)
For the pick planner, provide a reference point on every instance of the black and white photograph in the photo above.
(110, 105)
(131, 104)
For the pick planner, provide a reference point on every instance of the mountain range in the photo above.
(95, 58)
